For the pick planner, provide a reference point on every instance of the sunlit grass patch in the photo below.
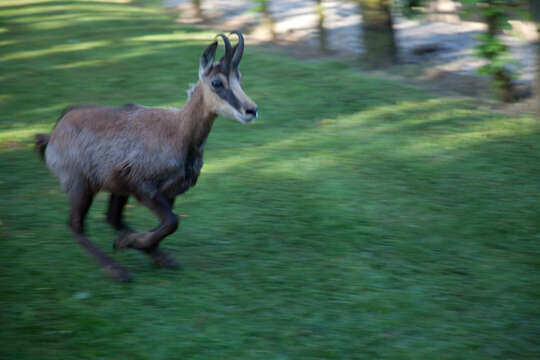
(4, 98)
(80, 64)
(63, 48)
(199, 37)
(22, 134)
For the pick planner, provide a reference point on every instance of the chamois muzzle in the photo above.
(251, 114)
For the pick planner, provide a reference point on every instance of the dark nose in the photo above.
(252, 112)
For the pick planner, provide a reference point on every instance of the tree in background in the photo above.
(378, 33)
(323, 36)
(491, 48)
(197, 7)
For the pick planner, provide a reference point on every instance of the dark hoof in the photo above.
(128, 239)
(163, 260)
(117, 272)
(122, 240)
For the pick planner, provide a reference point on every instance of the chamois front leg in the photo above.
(160, 257)
(148, 241)
(81, 196)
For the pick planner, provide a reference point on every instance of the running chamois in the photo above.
(153, 154)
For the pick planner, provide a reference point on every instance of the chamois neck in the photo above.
(198, 119)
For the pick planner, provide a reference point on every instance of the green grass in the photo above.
(358, 218)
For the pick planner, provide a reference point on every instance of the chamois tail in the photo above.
(42, 140)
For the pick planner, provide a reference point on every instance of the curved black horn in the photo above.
(238, 49)
(226, 65)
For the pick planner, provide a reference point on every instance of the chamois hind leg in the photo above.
(148, 242)
(115, 212)
(81, 196)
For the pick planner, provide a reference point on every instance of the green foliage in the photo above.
(499, 9)
(491, 48)
(260, 6)
(358, 218)
(496, 52)
(412, 8)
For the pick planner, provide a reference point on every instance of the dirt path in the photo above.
(296, 23)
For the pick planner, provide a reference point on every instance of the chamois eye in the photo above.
(217, 83)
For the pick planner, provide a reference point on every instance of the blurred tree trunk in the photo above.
(197, 7)
(535, 12)
(378, 33)
(323, 36)
(495, 17)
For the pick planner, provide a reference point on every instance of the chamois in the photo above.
(153, 154)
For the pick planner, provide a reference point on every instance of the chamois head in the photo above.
(222, 81)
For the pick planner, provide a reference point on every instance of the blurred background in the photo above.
(383, 206)
(447, 40)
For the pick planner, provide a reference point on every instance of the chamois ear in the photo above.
(207, 58)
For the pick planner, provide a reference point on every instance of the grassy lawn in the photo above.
(358, 218)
